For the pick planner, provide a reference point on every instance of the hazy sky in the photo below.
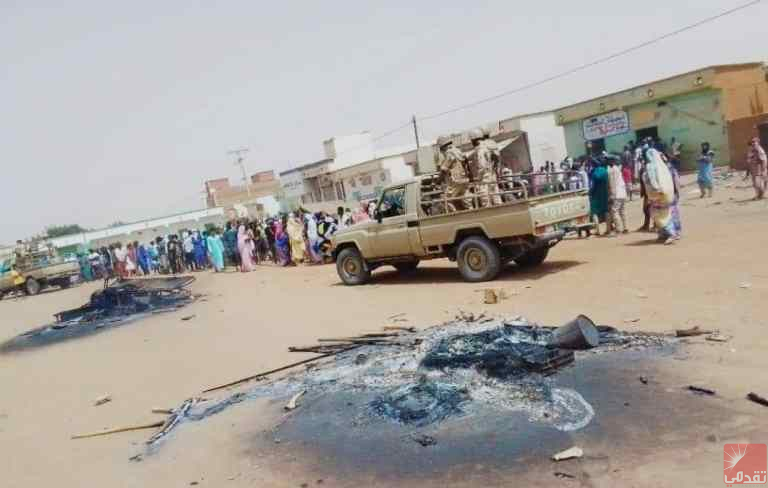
(120, 110)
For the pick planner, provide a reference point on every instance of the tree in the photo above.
(64, 230)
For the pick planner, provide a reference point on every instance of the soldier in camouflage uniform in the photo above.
(483, 168)
(453, 168)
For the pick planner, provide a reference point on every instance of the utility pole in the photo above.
(416, 131)
(240, 161)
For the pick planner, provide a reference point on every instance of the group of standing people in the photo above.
(193, 251)
(299, 237)
(482, 166)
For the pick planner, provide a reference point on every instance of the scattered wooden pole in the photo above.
(120, 429)
(277, 370)
(757, 399)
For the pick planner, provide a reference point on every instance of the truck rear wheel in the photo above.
(351, 267)
(32, 286)
(479, 259)
(533, 257)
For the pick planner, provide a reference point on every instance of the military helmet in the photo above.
(443, 141)
(475, 134)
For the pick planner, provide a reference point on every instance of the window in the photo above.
(352, 183)
(366, 180)
(392, 203)
(382, 176)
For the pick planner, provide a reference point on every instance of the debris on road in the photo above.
(118, 430)
(574, 452)
(754, 397)
(293, 402)
(102, 400)
(580, 333)
(116, 304)
(632, 320)
(695, 331)
(745, 286)
(188, 317)
(643, 380)
(716, 337)
(425, 440)
(701, 390)
(490, 297)
(564, 476)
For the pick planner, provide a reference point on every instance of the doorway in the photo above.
(647, 132)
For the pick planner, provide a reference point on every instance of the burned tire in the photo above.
(407, 267)
(351, 267)
(532, 258)
(479, 259)
(32, 286)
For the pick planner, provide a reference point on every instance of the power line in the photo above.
(593, 63)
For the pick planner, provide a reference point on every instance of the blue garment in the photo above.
(706, 164)
(144, 259)
(200, 254)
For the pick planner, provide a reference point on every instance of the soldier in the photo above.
(453, 168)
(483, 168)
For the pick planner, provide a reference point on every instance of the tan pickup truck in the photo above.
(39, 270)
(415, 221)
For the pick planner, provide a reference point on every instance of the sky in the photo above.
(119, 111)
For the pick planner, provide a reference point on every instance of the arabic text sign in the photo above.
(745, 464)
(606, 125)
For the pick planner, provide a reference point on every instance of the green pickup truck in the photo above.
(416, 221)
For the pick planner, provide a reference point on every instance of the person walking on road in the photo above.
(617, 192)
(757, 163)
(598, 196)
(706, 164)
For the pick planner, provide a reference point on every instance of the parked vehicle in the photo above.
(39, 269)
(415, 221)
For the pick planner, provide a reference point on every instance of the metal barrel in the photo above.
(579, 333)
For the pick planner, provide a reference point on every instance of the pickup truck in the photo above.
(39, 270)
(416, 221)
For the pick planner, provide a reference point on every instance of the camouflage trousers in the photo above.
(457, 190)
(487, 186)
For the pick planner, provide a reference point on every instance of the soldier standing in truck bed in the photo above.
(453, 167)
(482, 166)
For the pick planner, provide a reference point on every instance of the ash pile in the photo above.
(469, 367)
(117, 303)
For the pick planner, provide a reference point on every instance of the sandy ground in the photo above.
(716, 277)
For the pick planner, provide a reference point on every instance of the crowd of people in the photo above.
(304, 237)
(300, 237)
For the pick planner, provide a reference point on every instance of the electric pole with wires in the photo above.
(240, 161)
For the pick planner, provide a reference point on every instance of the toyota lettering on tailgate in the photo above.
(559, 211)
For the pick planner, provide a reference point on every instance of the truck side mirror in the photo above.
(377, 215)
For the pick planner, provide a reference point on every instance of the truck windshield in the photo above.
(392, 202)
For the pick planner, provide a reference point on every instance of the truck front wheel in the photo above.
(532, 258)
(351, 267)
(32, 286)
(479, 259)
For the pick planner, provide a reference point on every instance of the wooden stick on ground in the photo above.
(696, 331)
(397, 327)
(119, 429)
(277, 370)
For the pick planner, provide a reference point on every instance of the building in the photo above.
(144, 230)
(352, 171)
(258, 198)
(720, 104)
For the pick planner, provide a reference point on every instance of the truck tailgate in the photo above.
(562, 208)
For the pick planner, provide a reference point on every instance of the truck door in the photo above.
(390, 235)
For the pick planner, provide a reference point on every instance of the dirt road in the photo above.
(716, 277)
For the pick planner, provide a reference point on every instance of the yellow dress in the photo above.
(296, 235)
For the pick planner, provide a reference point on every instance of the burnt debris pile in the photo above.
(467, 368)
(116, 304)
